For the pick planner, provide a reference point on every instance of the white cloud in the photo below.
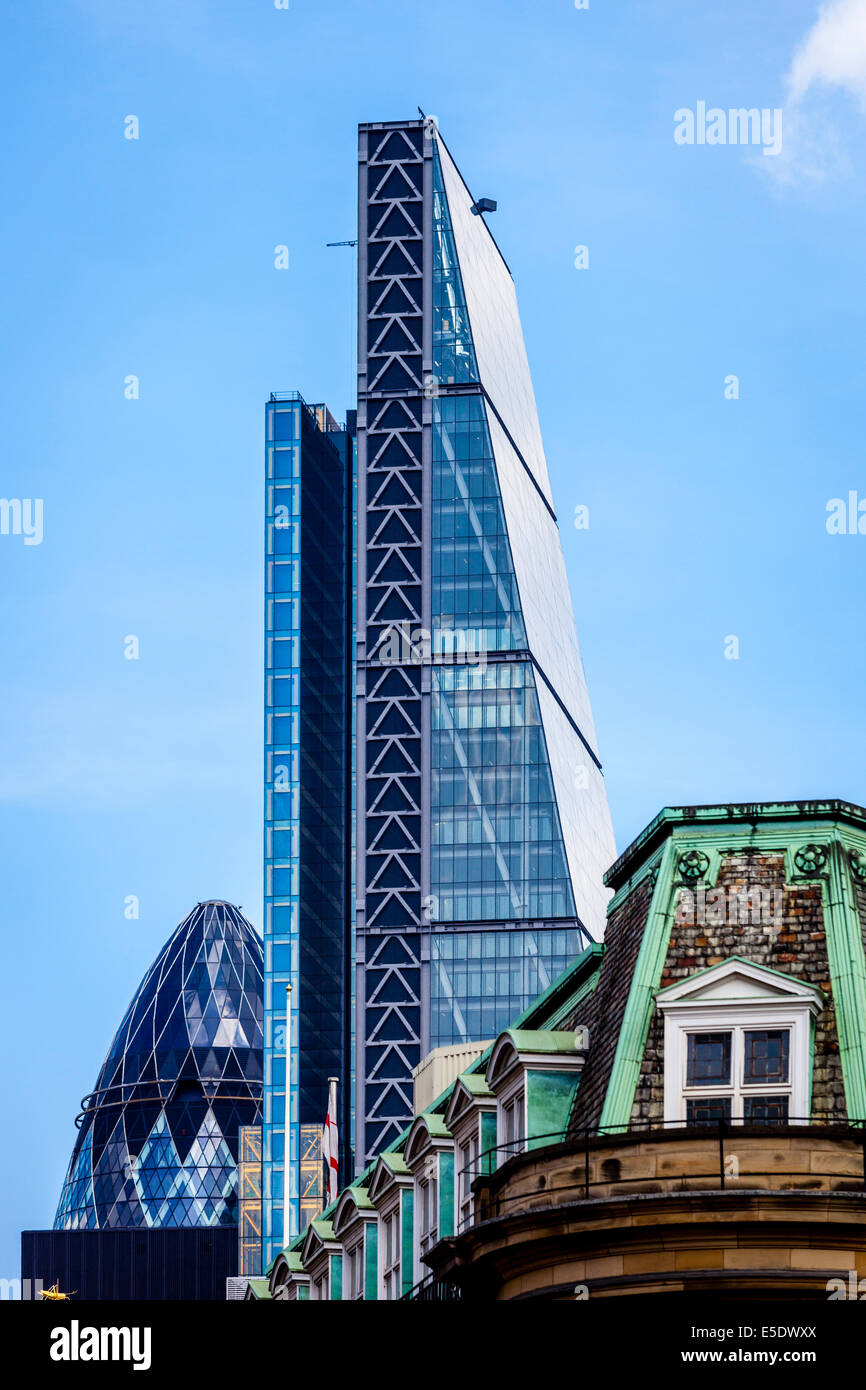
(833, 53)
(829, 60)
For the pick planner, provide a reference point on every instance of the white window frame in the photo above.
(426, 1213)
(511, 1113)
(789, 1004)
(468, 1153)
(389, 1270)
(353, 1271)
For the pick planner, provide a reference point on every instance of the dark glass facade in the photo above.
(158, 1139)
(308, 760)
(163, 1265)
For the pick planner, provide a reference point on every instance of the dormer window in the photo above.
(391, 1193)
(471, 1118)
(429, 1155)
(534, 1075)
(737, 1046)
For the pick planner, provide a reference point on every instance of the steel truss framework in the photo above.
(393, 463)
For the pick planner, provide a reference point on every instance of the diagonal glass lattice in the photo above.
(158, 1140)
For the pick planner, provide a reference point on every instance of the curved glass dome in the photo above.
(158, 1137)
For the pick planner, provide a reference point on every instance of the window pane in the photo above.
(766, 1055)
(709, 1060)
(766, 1110)
(709, 1111)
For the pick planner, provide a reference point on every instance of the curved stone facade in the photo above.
(658, 1220)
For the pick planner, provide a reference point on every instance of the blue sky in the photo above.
(154, 257)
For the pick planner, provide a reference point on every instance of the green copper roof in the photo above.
(323, 1229)
(787, 827)
(475, 1083)
(561, 993)
(396, 1162)
(436, 1125)
(360, 1195)
(749, 813)
(543, 1040)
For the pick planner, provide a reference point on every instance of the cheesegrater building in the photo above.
(414, 570)
(482, 829)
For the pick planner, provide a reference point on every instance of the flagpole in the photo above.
(332, 1156)
(287, 1161)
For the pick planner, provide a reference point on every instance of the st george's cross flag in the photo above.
(331, 1140)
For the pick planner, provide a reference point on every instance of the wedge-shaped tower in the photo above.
(483, 828)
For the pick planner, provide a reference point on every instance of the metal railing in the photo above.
(585, 1141)
(433, 1290)
(159, 1091)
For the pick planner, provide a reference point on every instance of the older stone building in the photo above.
(682, 1111)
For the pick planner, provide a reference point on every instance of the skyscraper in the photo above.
(157, 1144)
(308, 798)
(482, 824)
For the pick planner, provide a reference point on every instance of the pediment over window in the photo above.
(427, 1130)
(319, 1240)
(391, 1169)
(354, 1203)
(471, 1092)
(740, 981)
(532, 1049)
(736, 1045)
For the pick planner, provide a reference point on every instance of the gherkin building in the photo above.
(157, 1144)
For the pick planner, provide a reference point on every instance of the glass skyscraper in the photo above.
(308, 799)
(482, 822)
(157, 1144)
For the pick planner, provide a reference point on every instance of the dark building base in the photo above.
(132, 1264)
